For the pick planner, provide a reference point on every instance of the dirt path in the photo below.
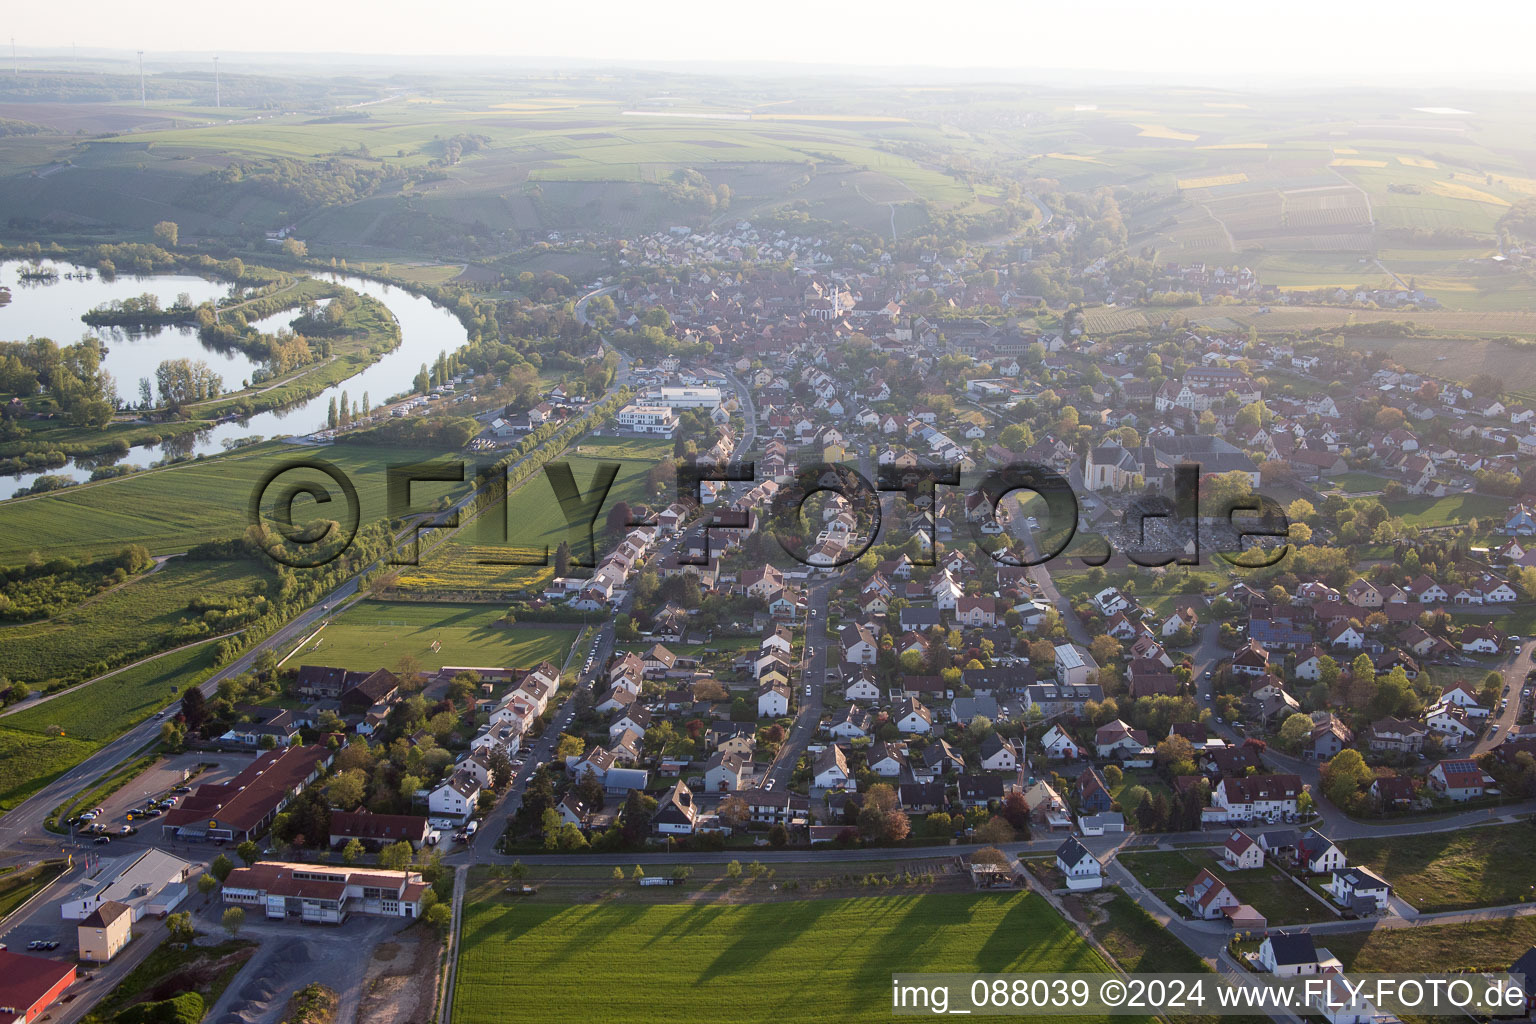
(401, 979)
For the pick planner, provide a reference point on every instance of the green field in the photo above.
(103, 709)
(802, 960)
(16, 887)
(1453, 508)
(32, 751)
(1478, 945)
(1476, 867)
(171, 509)
(377, 634)
(135, 621)
(1265, 889)
(29, 761)
(535, 522)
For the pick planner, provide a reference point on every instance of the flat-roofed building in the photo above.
(324, 894)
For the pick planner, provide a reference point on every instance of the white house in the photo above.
(1241, 853)
(1357, 888)
(912, 717)
(1319, 854)
(1207, 895)
(1110, 600)
(1081, 868)
(998, 755)
(455, 798)
(1289, 955)
(862, 687)
(1071, 665)
(773, 700)
(1059, 745)
(831, 769)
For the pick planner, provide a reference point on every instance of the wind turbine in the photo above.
(216, 100)
(142, 101)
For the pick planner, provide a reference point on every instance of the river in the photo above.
(53, 311)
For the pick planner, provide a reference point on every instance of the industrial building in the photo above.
(152, 883)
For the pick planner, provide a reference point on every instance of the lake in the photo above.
(53, 311)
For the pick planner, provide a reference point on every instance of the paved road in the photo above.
(21, 830)
(808, 690)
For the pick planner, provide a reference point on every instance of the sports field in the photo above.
(804, 960)
(376, 634)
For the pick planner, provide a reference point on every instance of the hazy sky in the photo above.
(1307, 40)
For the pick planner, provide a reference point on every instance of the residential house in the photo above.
(1459, 780)
(1240, 852)
(1081, 868)
(1207, 896)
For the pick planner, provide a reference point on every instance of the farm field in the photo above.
(1269, 892)
(28, 761)
(1449, 321)
(1453, 508)
(684, 961)
(1475, 867)
(1481, 945)
(539, 161)
(101, 710)
(535, 523)
(148, 615)
(32, 750)
(377, 634)
(169, 510)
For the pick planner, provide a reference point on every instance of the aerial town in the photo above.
(740, 600)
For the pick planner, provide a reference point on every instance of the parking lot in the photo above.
(156, 782)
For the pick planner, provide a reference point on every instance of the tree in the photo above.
(396, 856)
(995, 830)
(734, 811)
(346, 789)
(1015, 811)
(778, 836)
(352, 851)
(180, 927)
(167, 234)
(1132, 797)
(206, 883)
(221, 867)
(619, 518)
(1113, 775)
(1344, 777)
(589, 791)
(1294, 731)
(501, 769)
(233, 919)
(194, 708)
(440, 916)
(733, 870)
(249, 852)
